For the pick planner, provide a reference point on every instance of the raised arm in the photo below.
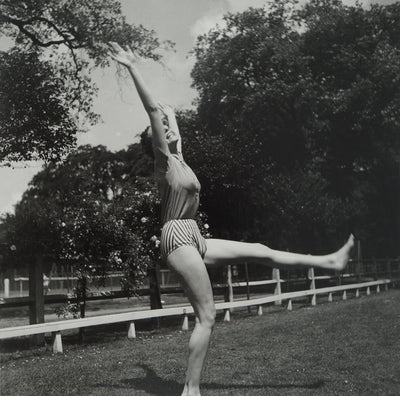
(169, 112)
(128, 59)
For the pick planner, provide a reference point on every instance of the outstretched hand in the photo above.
(167, 110)
(123, 56)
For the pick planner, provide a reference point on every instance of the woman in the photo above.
(186, 252)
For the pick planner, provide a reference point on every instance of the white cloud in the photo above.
(241, 5)
(170, 83)
(8, 207)
(206, 23)
(215, 16)
(14, 182)
(178, 63)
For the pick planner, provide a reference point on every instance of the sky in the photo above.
(123, 116)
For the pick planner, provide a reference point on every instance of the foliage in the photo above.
(34, 101)
(76, 212)
(76, 25)
(357, 69)
(98, 211)
(56, 45)
(297, 124)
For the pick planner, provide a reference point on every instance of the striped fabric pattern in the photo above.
(181, 232)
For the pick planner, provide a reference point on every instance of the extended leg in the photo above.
(189, 266)
(221, 252)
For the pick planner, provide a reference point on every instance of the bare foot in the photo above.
(341, 257)
(190, 392)
(194, 393)
(185, 391)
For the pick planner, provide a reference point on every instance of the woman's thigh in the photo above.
(223, 252)
(187, 263)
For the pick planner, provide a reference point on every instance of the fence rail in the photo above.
(57, 327)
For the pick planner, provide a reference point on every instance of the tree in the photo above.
(33, 109)
(98, 212)
(57, 44)
(296, 130)
(77, 213)
(251, 105)
(357, 68)
(80, 206)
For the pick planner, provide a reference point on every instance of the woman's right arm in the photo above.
(128, 59)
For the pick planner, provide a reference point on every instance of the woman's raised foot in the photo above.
(342, 256)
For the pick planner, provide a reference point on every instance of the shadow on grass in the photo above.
(154, 385)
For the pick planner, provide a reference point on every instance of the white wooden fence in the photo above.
(55, 328)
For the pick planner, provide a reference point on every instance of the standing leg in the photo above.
(187, 263)
(221, 252)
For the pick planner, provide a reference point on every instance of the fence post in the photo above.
(246, 268)
(57, 342)
(6, 288)
(277, 277)
(358, 271)
(227, 317)
(185, 325)
(229, 283)
(398, 269)
(389, 269)
(375, 269)
(312, 285)
(131, 331)
(339, 278)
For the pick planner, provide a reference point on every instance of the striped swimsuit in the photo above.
(179, 190)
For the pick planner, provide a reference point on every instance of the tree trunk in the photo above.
(81, 300)
(155, 293)
(36, 306)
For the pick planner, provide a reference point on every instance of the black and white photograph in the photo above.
(199, 197)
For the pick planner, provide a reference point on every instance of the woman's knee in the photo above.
(263, 251)
(207, 317)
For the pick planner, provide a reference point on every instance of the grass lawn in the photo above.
(340, 348)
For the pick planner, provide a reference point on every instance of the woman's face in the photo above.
(170, 135)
